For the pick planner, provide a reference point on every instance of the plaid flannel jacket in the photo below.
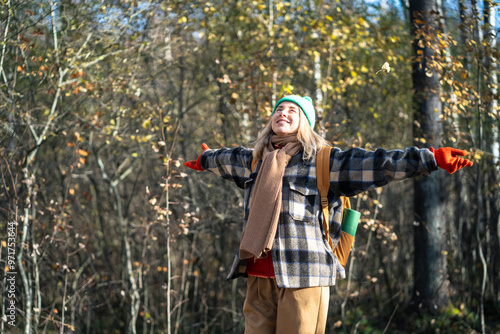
(301, 254)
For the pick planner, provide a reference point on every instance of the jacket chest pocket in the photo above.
(301, 201)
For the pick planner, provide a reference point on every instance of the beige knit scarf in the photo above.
(265, 205)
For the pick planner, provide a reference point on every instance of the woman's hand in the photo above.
(448, 159)
(196, 164)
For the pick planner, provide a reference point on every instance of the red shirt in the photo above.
(261, 267)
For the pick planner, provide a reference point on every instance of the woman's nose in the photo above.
(283, 112)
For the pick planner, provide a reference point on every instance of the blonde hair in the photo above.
(310, 140)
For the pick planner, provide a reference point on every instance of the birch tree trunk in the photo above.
(492, 141)
(491, 69)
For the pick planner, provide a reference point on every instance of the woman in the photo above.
(284, 251)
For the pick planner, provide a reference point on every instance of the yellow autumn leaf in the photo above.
(363, 22)
(83, 153)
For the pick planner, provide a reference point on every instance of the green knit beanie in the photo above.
(305, 103)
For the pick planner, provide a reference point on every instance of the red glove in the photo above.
(447, 159)
(196, 164)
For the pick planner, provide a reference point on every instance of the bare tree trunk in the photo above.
(479, 190)
(169, 259)
(135, 300)
(479, 211)
(29, 179)
(38, 292)
(25, 276)
(430, 283)
(319, 93)
(492, 142)
(491, 66)
(463, 215)
(63, 308)
(4, 47)
(167, 178)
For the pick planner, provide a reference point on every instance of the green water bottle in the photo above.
(350, 221)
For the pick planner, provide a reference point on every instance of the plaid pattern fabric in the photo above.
(301, 254)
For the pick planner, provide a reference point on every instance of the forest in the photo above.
(104, 230)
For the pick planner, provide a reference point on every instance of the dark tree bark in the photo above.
(430, 277)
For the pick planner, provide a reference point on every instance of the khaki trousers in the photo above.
(269, 309)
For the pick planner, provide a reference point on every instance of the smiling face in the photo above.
(286, 118)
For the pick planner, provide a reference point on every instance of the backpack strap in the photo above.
(323, 184)
(254, 164)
